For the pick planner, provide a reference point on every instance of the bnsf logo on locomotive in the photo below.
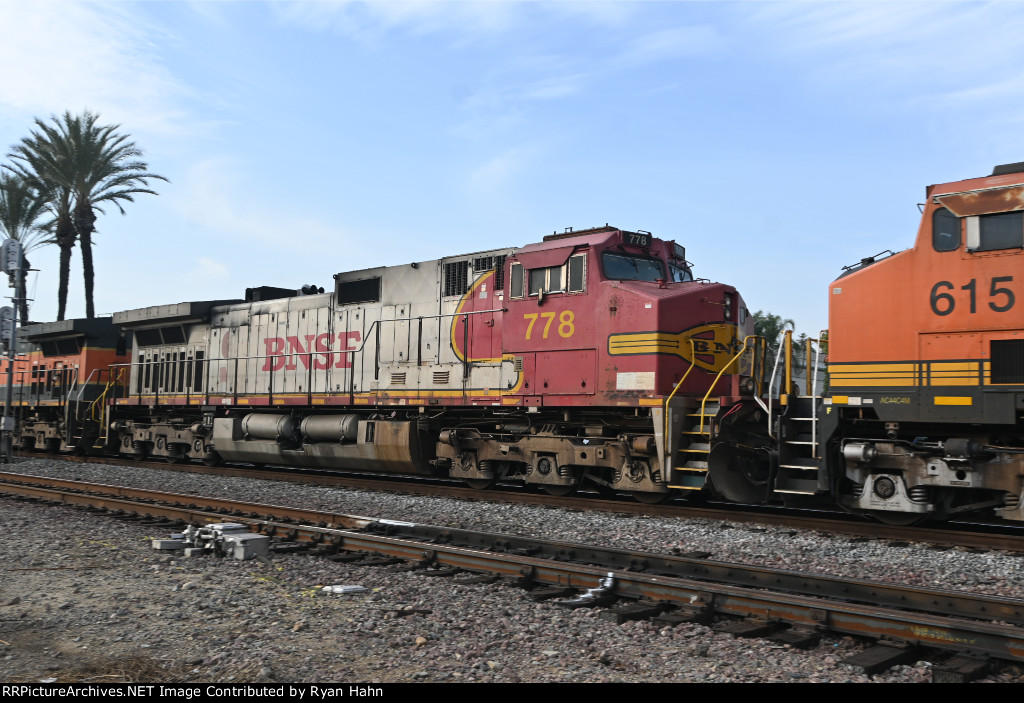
(317, 345)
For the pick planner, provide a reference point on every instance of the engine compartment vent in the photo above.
(1007, 357)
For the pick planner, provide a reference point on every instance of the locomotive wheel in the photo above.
(211, 459)
(480, 484)
(652, 497)
(558, 491)
(740, 476)
(891, 517)
(180, 459)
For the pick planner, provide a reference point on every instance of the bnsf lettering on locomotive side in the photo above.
(318, 344)
(1001, 298)
(709, 347)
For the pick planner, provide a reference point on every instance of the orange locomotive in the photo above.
(59, 386)
(923, 417)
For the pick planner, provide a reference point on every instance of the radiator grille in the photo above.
(456, 275)
(488, 263)
(440, 378)
(1007, 360)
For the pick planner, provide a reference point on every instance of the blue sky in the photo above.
(776, 141)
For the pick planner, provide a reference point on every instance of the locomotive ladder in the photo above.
(692, 470)
(695, 435)
(799, 460)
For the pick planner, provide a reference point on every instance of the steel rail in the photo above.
(828, 522)
(925, 600)
(804, 612)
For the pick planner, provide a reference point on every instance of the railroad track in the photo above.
(791, 607)
(975, 535)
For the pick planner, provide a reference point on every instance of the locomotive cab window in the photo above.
(577, 273)
(945, 230)
(1004, 230)
(570, 277)
(625, 267)
(515, 280)
(680, 274)
(547, 280)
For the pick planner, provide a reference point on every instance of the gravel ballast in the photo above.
(85, 590)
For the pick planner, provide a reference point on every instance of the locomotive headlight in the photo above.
(728, 306)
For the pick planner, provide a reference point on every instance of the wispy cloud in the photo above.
(211, 196)
(949, 62)
(494, 175)
(68, 55)
(369, 22)
(936, 42)
(670, 44)
(466, 21)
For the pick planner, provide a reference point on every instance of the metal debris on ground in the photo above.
(344, 589)
(228, 539)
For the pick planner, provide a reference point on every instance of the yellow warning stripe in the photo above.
(953, 366)
(872, 382)
(872, 368)
(645, 343)
(953, 400)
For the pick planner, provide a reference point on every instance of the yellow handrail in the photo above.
(693, 355)
(99, 400)
(715, 382)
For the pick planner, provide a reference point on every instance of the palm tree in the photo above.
(81, 165)
(21, 208)
(771, 328)
(36, 161)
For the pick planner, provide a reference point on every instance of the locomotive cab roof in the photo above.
(95, 328)
(164, 314)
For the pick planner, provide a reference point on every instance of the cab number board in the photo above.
(637, 239)
(1000, 297)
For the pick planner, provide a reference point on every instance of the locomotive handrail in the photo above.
(760, 352)
(771, 391)
(693, 352)
(714, 383)
(67, 392)
(330, 354)
(814, 394)
(100, 399)
(84, 386)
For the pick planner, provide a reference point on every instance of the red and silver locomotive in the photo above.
(587, 356)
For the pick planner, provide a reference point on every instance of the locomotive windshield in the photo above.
(624, 267)
(680, 274)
